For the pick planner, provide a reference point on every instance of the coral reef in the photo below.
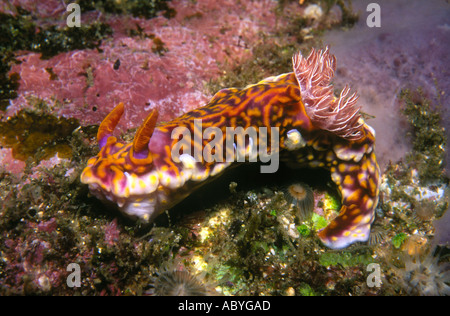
(240, 235)
(193, 54)
(49, 41)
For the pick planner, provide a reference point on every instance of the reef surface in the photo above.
(240, 235)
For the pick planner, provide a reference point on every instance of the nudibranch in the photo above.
(315, 128)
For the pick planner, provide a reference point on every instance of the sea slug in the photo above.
(306, 124)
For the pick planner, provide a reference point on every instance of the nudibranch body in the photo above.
(315, 129)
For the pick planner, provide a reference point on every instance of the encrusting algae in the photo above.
(232, 237)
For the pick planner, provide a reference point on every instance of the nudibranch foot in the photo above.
(358, 184)
(304, 123)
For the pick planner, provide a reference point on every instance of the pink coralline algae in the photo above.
(199, 41)
(112, 233)
(160, 63)
(30, 259)
(248, 243)
(42, 9)
(147, 63)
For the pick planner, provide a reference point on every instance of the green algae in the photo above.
(137, 8)
(318, 222)
(398, 240)
(306, 290)
(37, 136)
(349, 17)
(429, 138)
(330, 202)
(8, 86)
(345, 259)
(267, 60)
(21, 33)
(422, 168)
(304, 230)
(249, 249)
